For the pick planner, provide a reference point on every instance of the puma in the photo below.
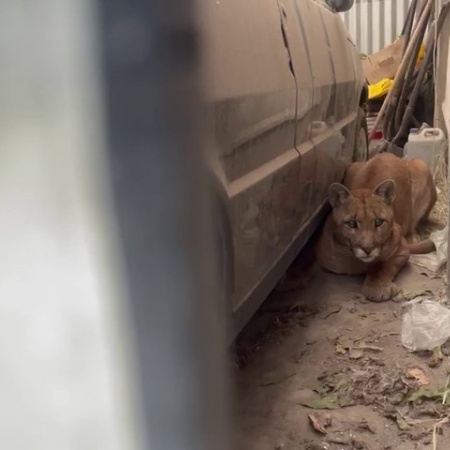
(372, 228)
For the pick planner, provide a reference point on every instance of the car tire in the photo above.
(361, 149)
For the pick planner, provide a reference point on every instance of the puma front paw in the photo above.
(380, 292)
(413, 238)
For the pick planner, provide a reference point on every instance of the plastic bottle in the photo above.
(427, 144)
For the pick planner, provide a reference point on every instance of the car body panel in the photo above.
(283, 88)
(253, 110)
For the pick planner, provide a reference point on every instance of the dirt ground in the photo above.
(322, 368)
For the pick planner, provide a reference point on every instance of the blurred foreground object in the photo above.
(111, 337)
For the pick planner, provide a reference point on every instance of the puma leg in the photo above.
(379, 284)
(413, 238)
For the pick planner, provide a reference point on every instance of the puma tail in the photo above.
(422, 247)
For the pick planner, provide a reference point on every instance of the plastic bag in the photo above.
(432, 262)
(426, 325)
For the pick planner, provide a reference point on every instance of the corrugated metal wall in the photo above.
(373, 24)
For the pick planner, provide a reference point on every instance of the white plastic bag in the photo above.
(433, 261)
(426, 325)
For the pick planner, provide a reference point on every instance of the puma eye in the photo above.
(379, 222)
(351, 224)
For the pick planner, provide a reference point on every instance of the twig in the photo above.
(332, 312)
(444, 397)
(435, 428)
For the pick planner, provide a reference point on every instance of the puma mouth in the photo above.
(364, 257)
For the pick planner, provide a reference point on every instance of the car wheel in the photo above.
(361, 150)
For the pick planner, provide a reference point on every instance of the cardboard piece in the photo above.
(384, 63)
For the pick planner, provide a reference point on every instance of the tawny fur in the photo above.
(386, 197)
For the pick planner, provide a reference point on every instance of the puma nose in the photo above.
(367, 250)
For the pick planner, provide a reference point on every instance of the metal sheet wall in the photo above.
(373, 24)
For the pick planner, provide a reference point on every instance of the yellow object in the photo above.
(382, 87)
(379, 89)
(421, 54)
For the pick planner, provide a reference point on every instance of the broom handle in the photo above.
(402, 68)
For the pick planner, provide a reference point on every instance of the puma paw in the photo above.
(413, 238)
(380, 292)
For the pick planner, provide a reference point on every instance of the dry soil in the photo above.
(322, 368)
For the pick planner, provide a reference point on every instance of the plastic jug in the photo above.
(427, 144)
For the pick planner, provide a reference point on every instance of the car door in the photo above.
(348, 77)
(252, 109)
(326, 131)
(313, 69)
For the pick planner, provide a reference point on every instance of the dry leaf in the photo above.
(330, 401)
(402, 424)
(436, 358)
(364, 346)
(318, 424)
(425, 393)
(411, 295)
(419, 375)
(340, 349)
(356, 353)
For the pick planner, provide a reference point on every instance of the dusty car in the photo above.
(285, 93)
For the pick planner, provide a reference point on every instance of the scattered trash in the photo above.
(436, 358)
(444, 397)
(320, 423)
(412, 295)
(363, 346)
(331, 401)
(356, 353)
(437, 428)
(356, 349)
(340, 349)
(433, 261)
(326, 402)
(427, 394)
(419, 375)
(426, 325)
(402, 424)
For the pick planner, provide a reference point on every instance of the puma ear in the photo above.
(337, 193)
(386, 190)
